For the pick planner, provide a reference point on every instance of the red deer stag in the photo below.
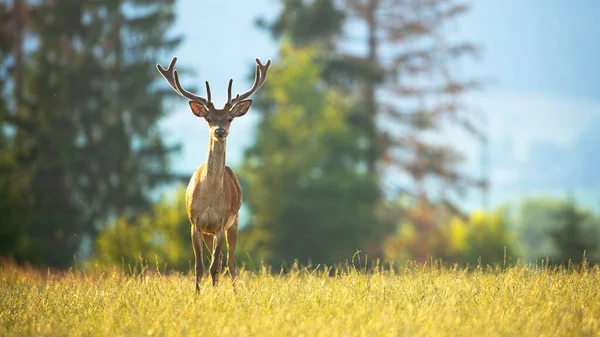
(214, 196)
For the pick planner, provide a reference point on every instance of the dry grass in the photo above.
(419, 301)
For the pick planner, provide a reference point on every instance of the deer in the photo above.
(214, 196)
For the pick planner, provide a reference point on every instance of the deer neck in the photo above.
(215, 165)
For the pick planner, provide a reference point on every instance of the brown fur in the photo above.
(213, 200)
(214, 196)
(231, 188)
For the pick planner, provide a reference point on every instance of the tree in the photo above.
(162, 234)
(421, 233)
(418, 100)
(319, 24)
(419, 64)
(578, 233)
(13, 181)
(303, 23)
(407, 92)
(427, 233)
(307, 193)
(557, 230)
(416, 69)
(485, 237)
(86, 121)
(536, 216)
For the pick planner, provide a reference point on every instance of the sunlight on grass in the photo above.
(417, 301)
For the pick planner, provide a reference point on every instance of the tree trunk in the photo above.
(369, 91)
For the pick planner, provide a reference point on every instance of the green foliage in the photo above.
(396, 131)
(420, 301)
(485, 238)
(535, 217)
(306, 22)
(13, 180)
(81, 140)
(578, 234)
(13, 206)
(419, 236)
(303, 179)
(558, 230)
(431, 231)
(162, 235)
(321, 23)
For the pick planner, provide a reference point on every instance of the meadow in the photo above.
(419, 300)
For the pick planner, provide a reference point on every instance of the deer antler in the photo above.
(260, 76)
(171, 75)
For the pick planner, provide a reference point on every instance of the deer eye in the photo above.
(207, 119)
(229, 119)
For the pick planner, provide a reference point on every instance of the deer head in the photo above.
(218, 120)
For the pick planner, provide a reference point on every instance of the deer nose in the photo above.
(220, 132)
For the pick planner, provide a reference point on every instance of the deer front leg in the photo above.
(199, 263)
(231, 242)
(215, 266)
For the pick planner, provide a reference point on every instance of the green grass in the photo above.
(419, 301)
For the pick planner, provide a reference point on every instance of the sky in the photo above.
(541, 101)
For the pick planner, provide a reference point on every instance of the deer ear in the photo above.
(241, 108)
(199, 109)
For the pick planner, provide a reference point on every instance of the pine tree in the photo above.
(420, 98)
(306, 191)
(12, 180)
(409, 91)
(86, 119)
(421, 95)
(577, 234)
(406, 89)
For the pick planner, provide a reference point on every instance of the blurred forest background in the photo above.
(352, 147)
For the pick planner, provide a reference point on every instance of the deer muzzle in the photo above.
(220, 132)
